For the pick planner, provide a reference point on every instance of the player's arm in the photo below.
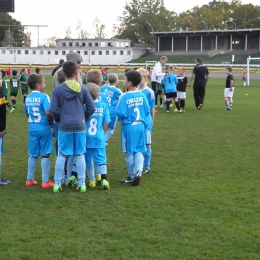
(191, 79)
(48, 114)
(105, 126)
(207, 78)
(88, 101)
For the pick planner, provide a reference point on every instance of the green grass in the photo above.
(201, 200)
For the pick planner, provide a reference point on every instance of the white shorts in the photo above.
(228, 93)
(181, 95)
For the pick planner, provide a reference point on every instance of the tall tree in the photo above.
(143, 16)
(82, 34)
(12, 32)
(100, 29)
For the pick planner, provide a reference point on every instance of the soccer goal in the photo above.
(150, 63)
(249, 59)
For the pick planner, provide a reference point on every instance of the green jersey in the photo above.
(24, 78)
(14, 85)
(85, 80)
(4, 87)
(105, 79)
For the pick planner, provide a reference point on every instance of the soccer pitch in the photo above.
(200, 201)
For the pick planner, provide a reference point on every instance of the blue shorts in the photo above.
(133, 138)
(1, 145)
(39, 143)
(72, 143)
(98, 154)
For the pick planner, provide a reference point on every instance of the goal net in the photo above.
(252, 61)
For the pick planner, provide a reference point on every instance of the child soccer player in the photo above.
(244, 76)
(105, 76)
(112, 93)
(149, 94)
(38, 70)
(132, 111)
(95, 139)
(4, 88)
(181, 89)
(24, 85)
(14, 87)
(37, 106)
(229, 89)
(169, 82)
(71, 106)
(2, 133)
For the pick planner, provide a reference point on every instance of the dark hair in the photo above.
(34, 79)
(14, 72)
(106, 68)
(229, 69)
(134, 76)
(126, 70)
(3, 73)
(37, 70)
(60, 77)
(94, 76)
(69, 68)
(61, 61)
(198, 60)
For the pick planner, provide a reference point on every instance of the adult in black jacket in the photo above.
(56, 68)
(200, 75)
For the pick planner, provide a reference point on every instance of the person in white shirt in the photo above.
(156, 78)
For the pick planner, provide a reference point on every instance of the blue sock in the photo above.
(90, 172)
(59, 169)
(32, 161)
(109, 133)
(147, 157)
(70, 164)
(139, 162)
(129, 160)
(46, 168)
(81, 169)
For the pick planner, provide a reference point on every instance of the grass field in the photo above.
(201, 200)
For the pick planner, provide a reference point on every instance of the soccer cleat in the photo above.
(155, 106)
(175, 110)
(161, 105)
(12, 110)
(167, 111)
(105, 185)
(47, 185)
(57, 188)
(81, 188)
(183, 110)
(92, 184)
(171, 105)
(4, 182)
(71, 181)
(128, 180)
(137, 179)
(228, 109)
(98, 177)
(145, 171)
(30, 183)
(200, 107)
(180, 111)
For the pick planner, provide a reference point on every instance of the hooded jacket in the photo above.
(71, 106)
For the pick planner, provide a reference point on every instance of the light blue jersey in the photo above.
(36, 103)
(112, 93)
(133, 111)
(95, 135)
(103, 98)
(170, 82)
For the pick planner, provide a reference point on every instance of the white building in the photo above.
(93, 51)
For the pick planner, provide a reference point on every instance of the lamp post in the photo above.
(151, 26)
(232, 21)
(205, 24)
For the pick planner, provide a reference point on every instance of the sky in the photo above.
(57, 15)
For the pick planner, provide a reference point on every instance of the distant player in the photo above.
(181, 89)
(149, 94)
(24, 85)
(244, 77)
(14, 88)
(229, 89)
(113, 94)
(37, 106)
(4, 89)
(96, 126)
(133, 111)
(105, 76)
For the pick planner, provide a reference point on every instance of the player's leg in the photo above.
(100, 159)
(201, 96)
(2, 181)
(148, 153)
(46, 148)
(90, 168)
(196, 96)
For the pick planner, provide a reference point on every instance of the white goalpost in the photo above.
(248, 68)
(150, 63)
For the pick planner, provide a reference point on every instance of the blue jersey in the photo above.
(170, 83)
(103, 98)
(112, 93)
(149, 94)
(36, 104)
(133, 108)
(95, 135)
